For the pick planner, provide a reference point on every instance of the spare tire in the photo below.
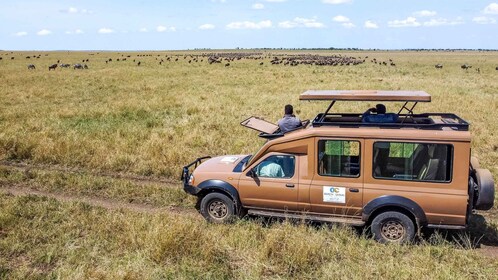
(485, 189)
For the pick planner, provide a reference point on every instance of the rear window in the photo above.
(412, 161)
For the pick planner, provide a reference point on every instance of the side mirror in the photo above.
(252, 173)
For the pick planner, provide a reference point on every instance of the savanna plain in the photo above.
(91, 159)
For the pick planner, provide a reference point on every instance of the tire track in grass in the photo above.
(19, 190)
(113, 175)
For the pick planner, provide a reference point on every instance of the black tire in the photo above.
(393, 227)
(217, 208)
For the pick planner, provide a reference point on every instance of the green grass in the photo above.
(43, 238)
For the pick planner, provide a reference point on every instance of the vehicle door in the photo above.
(271, 182)
(337, 186)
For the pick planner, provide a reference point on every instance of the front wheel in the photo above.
(393, 227)
(217, 208)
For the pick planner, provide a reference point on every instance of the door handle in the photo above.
(354, 190)
(289, 185)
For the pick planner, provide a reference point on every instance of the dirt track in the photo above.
(99, 202)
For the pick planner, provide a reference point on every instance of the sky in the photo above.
(229, 24)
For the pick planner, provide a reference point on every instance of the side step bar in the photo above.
(307, 216)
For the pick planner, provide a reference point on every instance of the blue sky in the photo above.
(188, 24)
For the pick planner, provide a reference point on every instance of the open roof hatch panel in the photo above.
(367, 95)
(260, 125)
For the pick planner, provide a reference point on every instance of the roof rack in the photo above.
(430, 121)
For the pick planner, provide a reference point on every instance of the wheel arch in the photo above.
(394, 203)
(210, 186)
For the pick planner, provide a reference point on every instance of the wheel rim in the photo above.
(393, 230)
(217, 209)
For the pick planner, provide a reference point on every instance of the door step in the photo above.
(307, 216)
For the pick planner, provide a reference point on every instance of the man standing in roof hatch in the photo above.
(289, 121)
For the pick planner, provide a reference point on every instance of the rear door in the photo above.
(337, 186)
(275, 184)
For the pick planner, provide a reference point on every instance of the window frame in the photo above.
(276, 155)
(415, 181)
(336, 176)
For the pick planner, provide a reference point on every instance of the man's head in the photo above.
(380, 108)
(289, 110)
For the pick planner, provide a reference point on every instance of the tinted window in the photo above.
(281, 166)
(339, 158)
(412, 161)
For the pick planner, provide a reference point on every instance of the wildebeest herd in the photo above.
(230, 58)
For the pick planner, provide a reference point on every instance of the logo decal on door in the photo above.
(334, 194)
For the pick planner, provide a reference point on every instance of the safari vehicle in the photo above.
(394, 177)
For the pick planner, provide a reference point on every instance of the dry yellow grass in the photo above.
(151, 120)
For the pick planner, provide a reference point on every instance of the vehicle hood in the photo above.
(221, 164)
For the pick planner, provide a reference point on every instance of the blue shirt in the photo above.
(288, 123)
(379, 118)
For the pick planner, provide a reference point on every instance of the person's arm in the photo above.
(368, 112)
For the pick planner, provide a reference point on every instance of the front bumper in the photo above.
(193, 190)
(186, 176)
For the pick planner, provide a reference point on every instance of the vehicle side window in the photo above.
(412, 161)
(339, 158)
(277, 166)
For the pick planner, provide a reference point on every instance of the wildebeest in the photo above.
(438, 66)
(228, 64)
(496, 68)
(466, 66)
(77, 66)
(65, 65)
(85, 66)
(52, 67)
(138, 64)
(31, 67)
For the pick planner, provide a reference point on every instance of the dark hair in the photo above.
(289, 109)
(381, 109)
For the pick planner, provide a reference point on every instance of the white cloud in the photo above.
(258, 6)
(408, 22)
(249, 25)
(336, 2)
(105, 30)
(21, 33)
(77, 31)
(143, 30)
(442, 21)
(371, 25)
(162, 28)
(491, 9)
(73, 10)
(276, 1)
(425, 13)
(206, 26)
(340, 18)
(301, 22)
(218, 1)
(348, 24)
(484, 20)
(44, 32)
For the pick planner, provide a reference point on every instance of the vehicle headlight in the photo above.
(191, 180)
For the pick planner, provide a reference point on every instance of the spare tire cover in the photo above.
(485, 189)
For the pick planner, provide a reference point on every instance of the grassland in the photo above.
(118, 118)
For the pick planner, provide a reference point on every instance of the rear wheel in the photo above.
(393, 227)
(217, 208)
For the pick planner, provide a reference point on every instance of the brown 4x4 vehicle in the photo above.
(396, 177)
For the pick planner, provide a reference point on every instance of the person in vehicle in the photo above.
(378, 115)
(289, 121)
(270, 168)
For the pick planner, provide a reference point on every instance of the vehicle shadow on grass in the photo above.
(479, 231)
